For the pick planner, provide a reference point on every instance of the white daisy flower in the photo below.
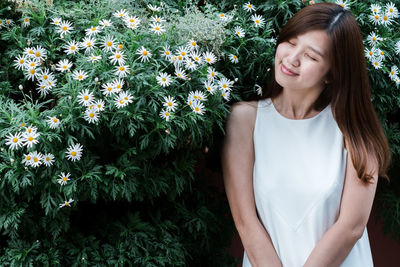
(375, 8)
(249, 7)
(192, 44)
(118, 84)
(225, 94)
(44, 88)
(121, 71)
(36, 159)
(154, 8)
(239, 31)
(165, 114)
(26, 22)
(20, 62)
(85, 98)
(9, 22)
(14, 141)
(31, 63)
(258, 20)
(107, 89)
(71, 47)
(144, 54)
(391, 10)
(375, 18)
(117, 57)
(190, 65)
(380, 54)
(105, 23)
(198, 107)
(225, 84)
(397, 80)
(93, 59)
(182, 51)
(31, 129)
(157, 28)
(66, 203)
(157, 19)
(373, 39)
(30, 139)
(121, 13)
(80, 75)
(63, 65)
(56, 21)
(40, 53)
(64, 28)
(119, 47)
(370, 52)
(196, 57)
(28, 51)
(91, 115)
(377, 63)
(99, 105)
(209, 57)
(393, 72)
(53, 122)
(343, 4)
(27, 159)
(31, 73)
(166, 52)
(64, 178)
(74, 152)
(88, 43)
(132, 22)
(258, 89)
(211, 74)
(164, 79)
(170, 103)
(48, 159)
(180, 73)
(210, 87)
(109, 43)
(386, 20)
(92, 31)
(397, 47)
(233, 58)
(46, 75)
(123, 99)
(225, 17)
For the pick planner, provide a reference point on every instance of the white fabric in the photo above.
(298, 179)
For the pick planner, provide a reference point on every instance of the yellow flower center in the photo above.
(35, 159)
(122, 68)
(47, 159)
(32, 71)
(73, 153)
(391, 10)
(376, 63)
(28, 157)
(64, 67)
(376, 17)
(37, 54)
(91, 115)
(15, 140)
(121, 101)
(64, 178)
(21, 61)
(109, 89)
(144, 53)
(80, 77)
(109, 43)
(235, 57)
(26, 20)
(120, 46)
(249, 6)
(22, 124)
(208, 59)
(86, 97)
(30, 138)
(183, 53)
(44, 77)
(374, 38)
(55, 120)
(382, 53)
(257, 21)
(163, 79)
(167, 52)
(30, 52)
(118, 56)
(179, 57)
(195, 97)
(392, 72)
(194, 43)
(196, 108)
(169, 104)
(222, 15)
(66, 204)
(89, 44)
(167, 113)
(65, 28)
(119, 86)
(224, 86)
(157, 28)
(93, 29)
(385, 18)
(29, 130)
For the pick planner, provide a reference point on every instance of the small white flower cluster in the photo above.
(29, 62)
(383, 15)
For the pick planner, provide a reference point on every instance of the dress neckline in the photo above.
(306, 119)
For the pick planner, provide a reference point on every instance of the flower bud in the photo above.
(20, 87)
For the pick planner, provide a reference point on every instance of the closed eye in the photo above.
(311, 57)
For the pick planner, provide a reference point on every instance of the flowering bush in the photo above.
(106, 107)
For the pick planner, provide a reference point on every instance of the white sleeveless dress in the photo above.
(298, 178)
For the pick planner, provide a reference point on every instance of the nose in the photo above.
(293, 58)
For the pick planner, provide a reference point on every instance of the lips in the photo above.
(287, 71)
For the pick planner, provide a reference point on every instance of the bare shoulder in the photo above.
(244, 113)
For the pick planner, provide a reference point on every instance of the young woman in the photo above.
(301, 164)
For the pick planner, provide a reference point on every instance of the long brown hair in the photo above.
(349, 90)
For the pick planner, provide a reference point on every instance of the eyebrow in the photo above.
(312, 48)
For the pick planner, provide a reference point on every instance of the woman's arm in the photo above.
(237, 165)
(355, 207)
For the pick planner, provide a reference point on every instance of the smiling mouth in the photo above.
(287, 71)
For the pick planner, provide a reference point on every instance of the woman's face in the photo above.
(302, 62)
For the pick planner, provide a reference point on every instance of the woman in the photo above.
(301, 164)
